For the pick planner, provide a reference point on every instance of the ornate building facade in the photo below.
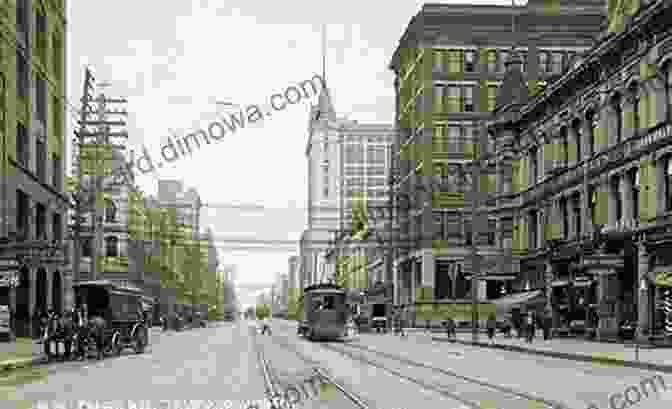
(584, 179)
(448, 66)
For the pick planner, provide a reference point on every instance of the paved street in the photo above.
(384, 371)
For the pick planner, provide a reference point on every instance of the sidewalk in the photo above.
(655, 359)
(19, 354)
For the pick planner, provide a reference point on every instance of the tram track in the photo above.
(460, 388)
(273, 386)
(472, 393)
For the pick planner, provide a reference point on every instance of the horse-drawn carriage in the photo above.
(116, 316)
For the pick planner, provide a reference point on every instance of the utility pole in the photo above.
(98, 153)
(481, 149)
(78, 194)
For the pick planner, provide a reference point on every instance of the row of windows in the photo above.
(571, 209)
(588, 134)
(355, 153)
(111, 247)
(466, 61)
(23, 153)
(24, 218)
(365, 170)
(444, 228)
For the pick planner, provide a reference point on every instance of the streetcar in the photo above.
(325, 311)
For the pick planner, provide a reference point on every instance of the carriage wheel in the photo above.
(140, 341)
(116, 345)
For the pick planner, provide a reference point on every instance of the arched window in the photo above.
(110, 211)
(633, 92)
(576, 127)
(112, 246)
(592, 120)
(618, 116)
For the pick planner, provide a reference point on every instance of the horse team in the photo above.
(78, 334)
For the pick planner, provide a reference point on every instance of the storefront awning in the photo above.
(518, 300)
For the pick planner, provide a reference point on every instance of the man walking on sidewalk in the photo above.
(265, 327)
(529, 321)
(491, 326)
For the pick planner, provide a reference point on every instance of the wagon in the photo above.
(121, 309)
(326, 312)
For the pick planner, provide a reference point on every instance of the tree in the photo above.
(263, 311)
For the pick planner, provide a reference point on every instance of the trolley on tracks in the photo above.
(326, 312)
(121, 310)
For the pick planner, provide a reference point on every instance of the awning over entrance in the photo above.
(528, 298)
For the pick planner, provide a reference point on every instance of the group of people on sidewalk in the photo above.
(526, 326)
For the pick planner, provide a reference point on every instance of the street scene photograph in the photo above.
(248, 204)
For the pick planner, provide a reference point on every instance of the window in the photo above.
(454, 138)
(439, 230)
(22, 73)
(440, 139)
(564, 140)
(468, 93)
(41, 99)
(41, 160)
(592, 126)
(618, 116)
(470, 61)
(110, 211)
(557, 63)
(468, 233)
(22, 18)
(455, 61)
(565, 219)
(492, 229)
(543, 62)
(492, 98)
(87, 247)
(112, 246)
(576, 204)
(576, 127)
(40, 222)
(57, 227)
(534, 166)
(503, 58)
(616, 196)
(492, 61)
(41, 34)
(668, 184)
(22, 146)
(57, 172)
(22, 215)
(453, 100)
(533, 240)
(635, 108)
(438, 61)
(438, 98)
(634, 183)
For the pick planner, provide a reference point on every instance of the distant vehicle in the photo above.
(379, 318)
(229, 316)
(326, 313)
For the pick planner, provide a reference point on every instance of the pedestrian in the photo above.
(530, 327)
(68, 332)
(547, 326)
(265, 327)
(491, 325)
(451, 328)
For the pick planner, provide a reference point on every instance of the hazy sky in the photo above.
(173, 59)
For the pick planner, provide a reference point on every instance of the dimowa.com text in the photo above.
(216, 131)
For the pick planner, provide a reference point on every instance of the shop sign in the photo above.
(4, 316)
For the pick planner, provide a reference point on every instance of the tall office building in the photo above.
(449, 64)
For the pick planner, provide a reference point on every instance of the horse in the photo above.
(97, 326)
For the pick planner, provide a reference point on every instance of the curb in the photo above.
(564, 355)
(13, 364)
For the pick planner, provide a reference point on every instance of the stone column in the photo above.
(413, 272)
(628, 107)
(601, 296)
(642, 293)
(428, 269)
(626, 197)
(586, 137)
(604, 123)
(549, 276)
